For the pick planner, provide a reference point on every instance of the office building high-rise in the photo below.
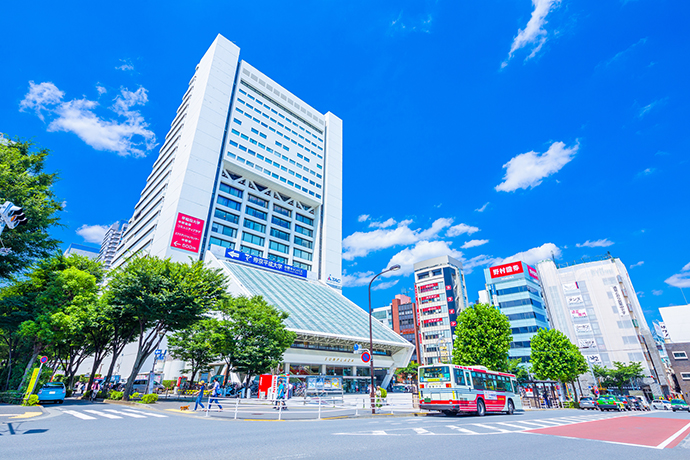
(82, 250)
(246, 166)
(111, 240)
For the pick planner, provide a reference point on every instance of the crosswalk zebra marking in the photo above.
(150, 414)
(491, 427)
(125, 413)
(461, 430)
(79, 415)
(422, 431)
(102, 414)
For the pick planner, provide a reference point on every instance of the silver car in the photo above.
(588, 403)
(660, 404)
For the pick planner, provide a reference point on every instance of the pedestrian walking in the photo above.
(280, 395)
(215, 393)
(290, 389)
(200, 396)
(95, 388)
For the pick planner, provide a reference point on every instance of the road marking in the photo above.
(102, 414)
(79, 415)
(125, 413)
(27, 415)
(515, 426)
(491, 427)
(541, 425)
(422, 431)
(673, 437)
(379, 433)
(462, 430)
(150, 414)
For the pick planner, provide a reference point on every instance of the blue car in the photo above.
(52, 392)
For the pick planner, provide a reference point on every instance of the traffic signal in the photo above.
(13, 215)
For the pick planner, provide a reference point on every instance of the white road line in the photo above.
(422, 431)
(150, 414)
(379, 433)
(491, 427)
(79, 415)
(516, 426)
(540, 425)
(550, 423)
(102, 414)
(462, 430)
(125, 413)
(673, 437)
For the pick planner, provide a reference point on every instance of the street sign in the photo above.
(44, 359)
(187, 233)
(356, 347)
(366, 357)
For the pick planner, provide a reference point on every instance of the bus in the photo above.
(454, 389)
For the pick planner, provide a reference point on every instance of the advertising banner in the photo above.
(594, 360)
(575, 300)
(432, 321)
(578, 313)
(571, 288)
(586, 343)
(450, 300)
(261, 262)
(583, 328)
(512, 268)
(187, 233)
(532, 272)
(619, 301)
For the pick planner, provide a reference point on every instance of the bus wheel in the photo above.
(481, 408)
(448, 413)
(511, 407)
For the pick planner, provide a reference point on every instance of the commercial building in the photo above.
(441, 293)
(676, 323)
(595, 305)
(679, 356)
(384, 315)
(514, 288)
(676, 331)
(111, 240)
(80, 249)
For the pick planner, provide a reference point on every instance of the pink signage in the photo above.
(532, 272)
(187, 233)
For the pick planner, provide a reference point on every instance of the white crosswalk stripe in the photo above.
(125, 413)
(150, 414)
(79, 415)
(491, 427)
(91, 414)
(422, 431)
(461, 430)
(102, 414)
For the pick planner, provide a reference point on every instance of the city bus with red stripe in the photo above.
(454, 389)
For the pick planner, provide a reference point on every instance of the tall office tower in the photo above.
(247, 166)
(384, 315)
(111, 241)
(514, 288)
(404, 313)
(80, 249)
(595, 305)
(441, 293)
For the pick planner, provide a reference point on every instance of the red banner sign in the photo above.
(187, 233)
(532, 272)
(432, 320)
(512, 268)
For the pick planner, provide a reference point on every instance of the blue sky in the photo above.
(480, 129)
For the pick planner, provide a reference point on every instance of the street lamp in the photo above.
(372, 394)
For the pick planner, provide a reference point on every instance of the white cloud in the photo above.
(646, 172)
(101, 90)
(657, 292)
(406, 23)
(384, 285)
(360, 244)
(529, 169)
(483, 208)
(473, 243)
(534, 255)
(93, 233)
(638, 264)
(479, 261)
(421, 251)
(130, 136)
(363, 218)
(648, 108)
(126, 65)
(461, 229)
(605, 243)
(680, 280)
(534, 34)
(385, 224)
(64, 204)
(357, 279)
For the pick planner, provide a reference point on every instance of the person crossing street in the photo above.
(200, 396)
(215, 393)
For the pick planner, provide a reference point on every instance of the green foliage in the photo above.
(408, 372)
(24, 183)
(136, 395)
(196, 345)
(571, 405)
(31, 401)
(518, 369)
(169, 384)
(555, 357)
(11, 397)
(69, 392)
(483, 338)
(384, 393)
(622, 374)
(149, 398)
(115, 395)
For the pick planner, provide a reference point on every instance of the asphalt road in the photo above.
(77, 430)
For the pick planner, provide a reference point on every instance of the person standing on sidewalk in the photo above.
(215, 393)
(95, 388)
(200, 396)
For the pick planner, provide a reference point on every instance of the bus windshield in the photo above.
(434, 374)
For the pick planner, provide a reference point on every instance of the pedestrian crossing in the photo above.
(444, 426)
(93, 414)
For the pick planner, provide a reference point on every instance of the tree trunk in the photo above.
(9, 365)
(29, 366)
(144, 351)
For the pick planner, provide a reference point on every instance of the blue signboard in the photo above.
(265, 263)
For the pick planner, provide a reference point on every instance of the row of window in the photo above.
(424, 275)
(260, 253)
(514, 290)
(525, 329)
(528, 315)
(517, 303)
(232, 204)
(276, 246)
(523, 344)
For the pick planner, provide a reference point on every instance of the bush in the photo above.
(135, 395)
(384, 393)
(115, 395)
(11, 397)
(169, 384)
(32, 401)
(68, 392)
(571, 404)
(149, 399)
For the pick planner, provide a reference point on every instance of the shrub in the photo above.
(149, 399)
(169, 384)
(86, 394)
(384, 393)
(135, 395)
(32, 401)
(116, 395)
(68, 392)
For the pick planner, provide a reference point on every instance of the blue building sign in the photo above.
(265, 263)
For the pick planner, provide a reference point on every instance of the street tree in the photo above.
(162, 296)
(483, 338)
(124, 329)
(555, 357)
(260, 333)
(15, 308)
(409, 372)
(196, 345)
(622, 374)
(24, 182)
(518, 369)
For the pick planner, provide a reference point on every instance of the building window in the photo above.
(436, 272)
(516, 303)
(256, 213)
(228, 203)
(528, 315)
(304, 219)
(304, 231)
(254, 239)
(231, 190)
(282, 210)
(252, 251)
(228, 231)
(302, 254)
(304, 243)
(301, 265)
(226, 216)
(423, 275)
(685, 375)
(275, 258)
(285, 249)
(680, 355)
(254, 225)
(280, 234)
(281, 222)
(259, 201)
(219, 242)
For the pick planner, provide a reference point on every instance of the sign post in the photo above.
(366, 357)
(34, 378)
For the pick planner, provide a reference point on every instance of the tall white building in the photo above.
(596, 306)
(247, 166)
(676, 323)
(110, 242)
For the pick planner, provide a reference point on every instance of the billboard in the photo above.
(619, 301)
(187, 233)
(261, 262)
(512, 268)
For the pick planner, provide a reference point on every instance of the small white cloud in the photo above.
(384, 285)
(638, 264)
(126, 65)
(93, 233)
(40, 97)
(461, 229)
(619, 56)
(101, 90)
(473, 243)
(686, 268)
(657, 291)
(407, 23)
(423, 250)
(647, 172)
(483, 208)
(64, 204)
(479, 261)
(529, 169)
(534, 255)
(357, 279)
(534, 34)
(363, 218)
(605, 243)
(648, 108)
(385, 224)
(680, 280)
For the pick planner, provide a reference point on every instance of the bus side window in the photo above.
(467, 378)
(500, 383)
(459, 377)
(513, 384)
(478, 380)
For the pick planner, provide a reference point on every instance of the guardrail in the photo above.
(258, 406)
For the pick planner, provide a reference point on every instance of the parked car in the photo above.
(634, 403)
(141, 386)
(624, 401)
(661, 404)
(588, 403)
(643, 403)
(679, 405)
(52, 392)
(608, 402)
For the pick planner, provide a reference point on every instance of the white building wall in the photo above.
(332, 229)
(677, 322)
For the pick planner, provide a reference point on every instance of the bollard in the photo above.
(280, 411)
(319, 408)
(237, 403)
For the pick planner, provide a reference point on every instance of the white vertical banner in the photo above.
(620, 301)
